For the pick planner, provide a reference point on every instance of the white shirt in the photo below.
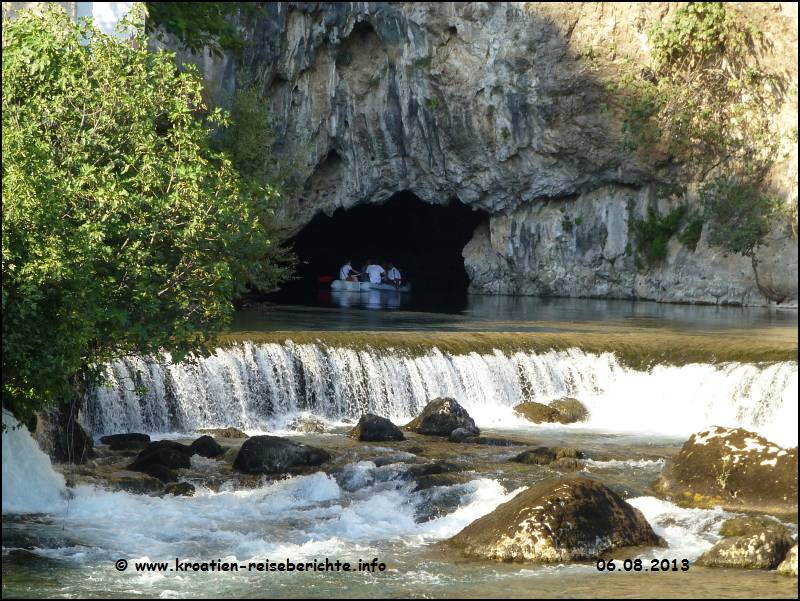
(344, 272)
(394, 274)
(375, 272)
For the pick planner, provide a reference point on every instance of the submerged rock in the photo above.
(571, 410)
(440, 417)
(734, 468)
(223, 432)
(789, 565)
(373, 428)
(309, 424)
(546, 456)
(140, 485)
(556, 521)
(538, 413)
(463, 434)
(179, 489)
(205, 446)
(126, 442)
(275, 455)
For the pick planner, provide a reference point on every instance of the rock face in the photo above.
(733, 468)
(372, 428)
(539, 413)
(126, 442)
(789, 565)
(440, 417)
(62, 437)
(275, 455)
(750, 542)
(556, 521)
(496, 105)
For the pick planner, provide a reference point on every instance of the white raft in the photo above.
(365, 286)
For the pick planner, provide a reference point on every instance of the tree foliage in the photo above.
(124, 230)
(198, 25)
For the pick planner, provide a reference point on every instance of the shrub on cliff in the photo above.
(124, 230)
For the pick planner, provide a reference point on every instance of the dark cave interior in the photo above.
(423, 240)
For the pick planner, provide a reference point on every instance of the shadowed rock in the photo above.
(555, 521)
(373, 428)
(165, 453)
(126, 442)
(733, 468)
(440, 417)
(275, 455)
(205, 446)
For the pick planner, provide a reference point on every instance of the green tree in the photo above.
(124, 230)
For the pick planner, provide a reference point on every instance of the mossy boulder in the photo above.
(373, 428)
(762, 550)
(539, 413)
(734, 468)
(571, 410)
(275, 455)
(440, 417)
(557, 521)
(223, 432)
(206, 446)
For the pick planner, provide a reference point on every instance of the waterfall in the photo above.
(250, 385)
(30, 485)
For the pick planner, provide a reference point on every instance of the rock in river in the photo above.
(206, 446)
(555, 521)
(789, 565)
(538, 413)
(750, 542)
(275, 455)
(733, 468)
(571, 410)
(373, 428)
(440, 417)
(223, 432)
(126, 442)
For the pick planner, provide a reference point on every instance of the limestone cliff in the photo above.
(494, 104)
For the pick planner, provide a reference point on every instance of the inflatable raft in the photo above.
(366, 286)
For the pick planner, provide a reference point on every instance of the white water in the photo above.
(254, 386)
(30, 485)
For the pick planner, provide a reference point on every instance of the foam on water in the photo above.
(261, 386)
(30, 485)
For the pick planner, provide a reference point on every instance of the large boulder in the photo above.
(440, 417)
(206, 446)
(557, 521)
(750, 542)
(539, 414)
(126, 442)
(789, 564)
(571, 410)
(62, 437)
(275, 455)
(734, 468)
(163, 453)
(373, 428)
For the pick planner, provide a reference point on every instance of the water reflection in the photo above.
(367, 299)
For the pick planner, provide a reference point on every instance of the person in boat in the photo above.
(347, 273)
(393, 275)
(375, 272)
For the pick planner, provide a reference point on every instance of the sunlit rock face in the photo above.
(494, 104)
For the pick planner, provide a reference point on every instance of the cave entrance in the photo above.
(423, 240)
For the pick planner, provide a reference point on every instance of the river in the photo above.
(649, 374)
